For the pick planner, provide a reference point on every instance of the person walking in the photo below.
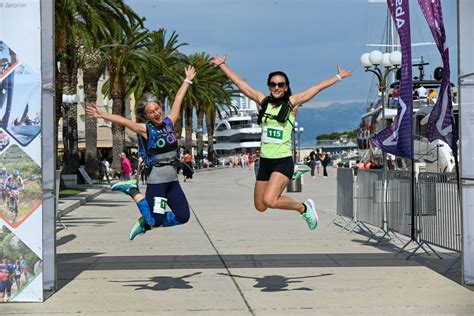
(277, 114)
(105, 169)
(256, 161)
(188, 165)
(319, 164)
(158, 147)
(325, 161)
(126, 167)
(312, 162)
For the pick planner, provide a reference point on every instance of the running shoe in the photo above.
(299, 170)
(310, 216)
(137, 229)
(125, 186)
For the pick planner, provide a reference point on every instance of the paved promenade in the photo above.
(231, 260)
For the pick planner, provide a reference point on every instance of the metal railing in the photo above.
(437, 206)
(399, 201)
(369, 197)
(440, 210)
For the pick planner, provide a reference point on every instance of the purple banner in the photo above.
(441, 124)
(397, 138)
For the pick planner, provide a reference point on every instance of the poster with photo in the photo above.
(21, 251)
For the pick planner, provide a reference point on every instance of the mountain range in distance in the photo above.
(336, 117)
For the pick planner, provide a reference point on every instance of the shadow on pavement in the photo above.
(277, 283)
(161, 283)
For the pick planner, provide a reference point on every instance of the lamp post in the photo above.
(390, 62)
(373, 62)
(298, 131)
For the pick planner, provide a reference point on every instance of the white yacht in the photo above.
(435, 156)
(238, 132)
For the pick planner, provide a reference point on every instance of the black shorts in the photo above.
(285, 166)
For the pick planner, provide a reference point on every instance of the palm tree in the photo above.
(79, 22)
(127, 59)
(212, 94)
(165, 77)
(93, 67)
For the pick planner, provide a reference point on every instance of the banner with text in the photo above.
(21, 249)
(397, 138)
(441, 124)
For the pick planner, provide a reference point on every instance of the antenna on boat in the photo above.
(421, 66)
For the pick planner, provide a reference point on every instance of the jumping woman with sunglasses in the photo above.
(277, 114)
(158, 147)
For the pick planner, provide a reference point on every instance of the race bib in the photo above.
(272, 135)
(160, 205)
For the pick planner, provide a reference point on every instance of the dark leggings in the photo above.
(176, 201)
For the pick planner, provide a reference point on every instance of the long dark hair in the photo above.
(281, 73)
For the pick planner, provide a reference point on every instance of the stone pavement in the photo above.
(232, 260)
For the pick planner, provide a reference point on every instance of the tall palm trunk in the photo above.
(70, 130)
(118, 133)
(210, 121)
(188, 141)
(60, 47)
(118, 88)
(91, 75)
(199, 138)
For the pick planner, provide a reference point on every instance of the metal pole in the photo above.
(299, 145)
(382, 88)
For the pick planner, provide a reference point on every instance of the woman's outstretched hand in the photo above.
(343, 72)
(219, 60)
(93, 111)
(190, 72)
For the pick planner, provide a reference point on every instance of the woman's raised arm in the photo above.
(303, 97)
(178, 100)
(94, 111)
(243, 86)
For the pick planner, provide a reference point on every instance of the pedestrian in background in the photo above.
(126, 167)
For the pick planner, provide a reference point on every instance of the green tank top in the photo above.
(276, 137)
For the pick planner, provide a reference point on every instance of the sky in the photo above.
(304, 38)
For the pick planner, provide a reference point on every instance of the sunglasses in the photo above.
(151, 112)
(272, 84)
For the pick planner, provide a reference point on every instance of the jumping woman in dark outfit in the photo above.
(158, 146)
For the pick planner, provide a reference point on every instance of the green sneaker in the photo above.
(125, 186)
(137, 229)
(299, 171)
(310, 216)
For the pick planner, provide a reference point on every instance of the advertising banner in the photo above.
(21, 208)
(397, 137)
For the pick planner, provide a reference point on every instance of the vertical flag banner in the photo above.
(441, 124)
(21, 214)
(397, 138)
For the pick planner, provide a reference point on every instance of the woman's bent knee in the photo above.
(260, 208)
(270, 203)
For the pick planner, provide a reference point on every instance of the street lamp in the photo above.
(390, 61)
(372, 62)
(298, 131)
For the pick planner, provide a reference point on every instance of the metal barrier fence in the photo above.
(399, 201)
(345, 192)
(369, 197)
(437, 207)
(440, 210)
